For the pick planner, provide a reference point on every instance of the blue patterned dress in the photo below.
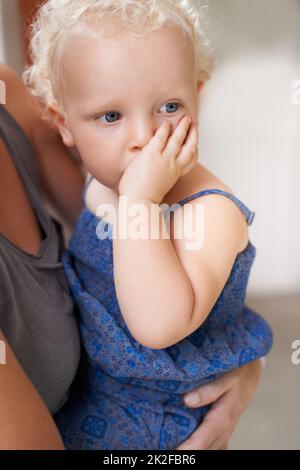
(128, 396)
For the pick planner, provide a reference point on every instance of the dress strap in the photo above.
(247, 213)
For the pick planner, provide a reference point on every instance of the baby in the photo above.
(122, 80)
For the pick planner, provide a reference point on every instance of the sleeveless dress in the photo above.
(128, 396)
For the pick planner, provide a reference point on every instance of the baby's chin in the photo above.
(112, 186)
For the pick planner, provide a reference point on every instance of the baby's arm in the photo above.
(208, 268)
(153, 290)
(165, 292)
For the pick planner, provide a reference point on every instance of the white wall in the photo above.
(250, 130)
(2, 53)
(11, 51)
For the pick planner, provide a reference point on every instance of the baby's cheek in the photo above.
(103, 169)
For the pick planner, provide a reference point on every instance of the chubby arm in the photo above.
(61, 177)
(167, 290)
(154, 291)
(164, 290)
(26, 424)
(208, 268)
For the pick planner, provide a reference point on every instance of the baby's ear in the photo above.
(59, 121)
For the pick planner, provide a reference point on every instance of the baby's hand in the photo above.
(156, 169)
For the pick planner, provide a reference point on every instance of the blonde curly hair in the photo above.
(56, 20)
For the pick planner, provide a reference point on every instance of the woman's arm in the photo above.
(26, 423)
(230, 395)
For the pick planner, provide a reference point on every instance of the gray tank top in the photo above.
(36, 310)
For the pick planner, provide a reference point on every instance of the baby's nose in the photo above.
(141, 134)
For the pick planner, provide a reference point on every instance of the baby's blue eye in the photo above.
(110, 117)
(171, 107)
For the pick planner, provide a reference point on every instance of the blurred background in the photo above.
(250, 138)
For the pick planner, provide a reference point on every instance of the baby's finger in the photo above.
(189, 149)
(160, 139)
(175, 142)
(190, 166)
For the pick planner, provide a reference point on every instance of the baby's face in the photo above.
(118, 92)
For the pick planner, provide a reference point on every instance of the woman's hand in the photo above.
(230, 396)
(159, 165)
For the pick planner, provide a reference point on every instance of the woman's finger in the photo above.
(230, 395)
(219, 444)
(208, 393)
(222, 440)
(206, 434)
(222, 417)
(215, 428)
(202, 438)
